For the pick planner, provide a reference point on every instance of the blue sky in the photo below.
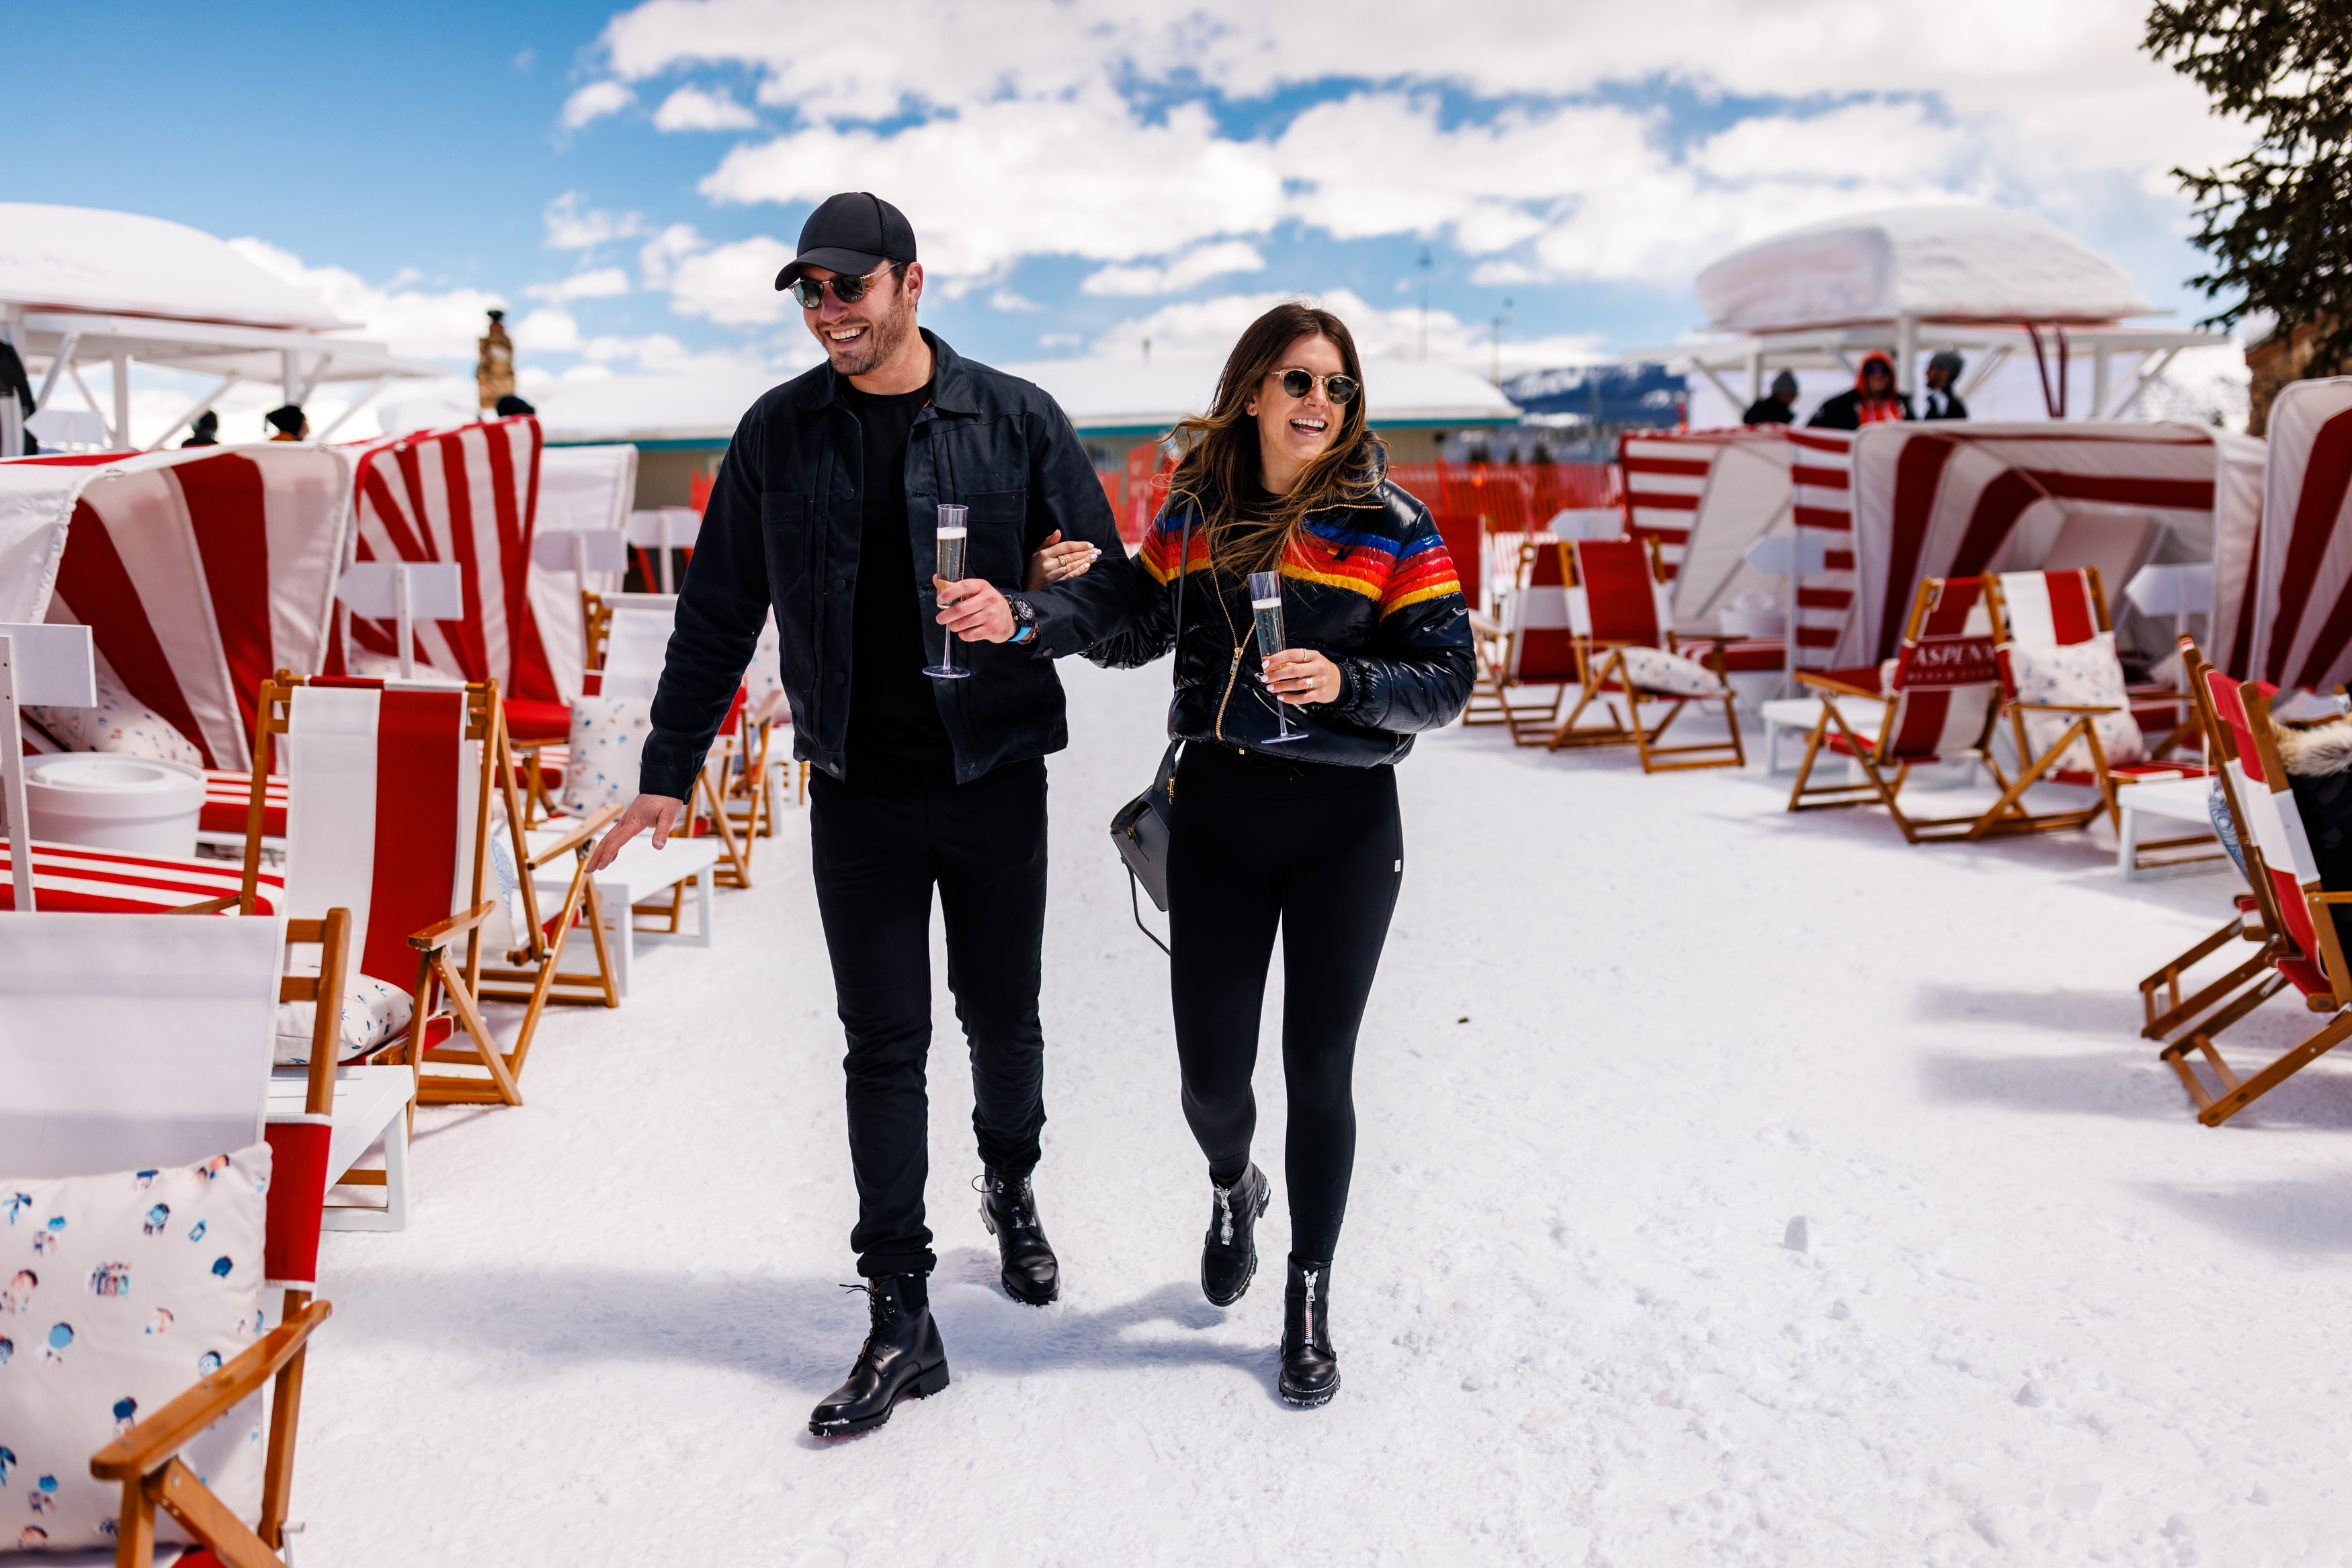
(1085, 174)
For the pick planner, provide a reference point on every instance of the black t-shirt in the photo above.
(896, 740)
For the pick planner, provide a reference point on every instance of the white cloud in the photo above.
(442, 325)
(600, 283)
(549, 330)
(1206, 328)
(691, 109)
(1005, 299)
(659, 257)
(1194, 266)
(595, 102)
(572, 227)
(734, 284)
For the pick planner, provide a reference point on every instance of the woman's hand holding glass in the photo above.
(1302, 675)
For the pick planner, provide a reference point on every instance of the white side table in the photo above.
(639, 872)
(1863, 715)
(2174, 800)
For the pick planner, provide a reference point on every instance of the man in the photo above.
(286, 423)
(824, 508)
(1942, 402)
(1778, 406)
(1872, 399)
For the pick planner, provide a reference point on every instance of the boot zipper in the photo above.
(1232, 670)
(1306, 1326)
(1225, 1224)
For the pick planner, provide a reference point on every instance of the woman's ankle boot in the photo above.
(1229, 1255)
(1311, 1368)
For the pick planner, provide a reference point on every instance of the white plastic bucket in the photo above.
(133, 804)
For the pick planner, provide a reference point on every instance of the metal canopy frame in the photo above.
(1993, 344)
(55, 344)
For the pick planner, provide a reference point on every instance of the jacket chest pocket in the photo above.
(998, 549)
(785, 535)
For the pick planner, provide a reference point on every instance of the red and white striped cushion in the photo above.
(228, 795)
(72, 878)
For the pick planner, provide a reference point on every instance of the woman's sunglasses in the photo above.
(1339, 389)
(810, 291)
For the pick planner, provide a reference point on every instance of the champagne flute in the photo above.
(1265, 604)
(951, 567)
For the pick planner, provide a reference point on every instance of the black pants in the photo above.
(1320, 850)
(876, 857)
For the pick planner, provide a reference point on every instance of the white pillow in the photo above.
(608, 737)
(2077, 675)
(119, 724)
(1656, 669)
(374, 1014)
(117, 1294)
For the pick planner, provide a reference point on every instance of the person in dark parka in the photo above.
(1778, 406)
(1872, 401)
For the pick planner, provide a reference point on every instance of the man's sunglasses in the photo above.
(1339, 389)
(810, 291)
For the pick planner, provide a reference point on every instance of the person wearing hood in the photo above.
(1872, 401)
(1778, 406)
(1942, 401)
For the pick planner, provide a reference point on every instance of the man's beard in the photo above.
(884, 337)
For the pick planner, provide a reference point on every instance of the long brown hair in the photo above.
(1220, 448)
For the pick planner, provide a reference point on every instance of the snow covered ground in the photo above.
(1632, 1037)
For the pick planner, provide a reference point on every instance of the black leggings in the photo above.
(1318, 848)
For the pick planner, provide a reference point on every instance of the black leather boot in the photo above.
(1229, 1254)
(1310, 1367)
(902, 1352)
(1025, 1258)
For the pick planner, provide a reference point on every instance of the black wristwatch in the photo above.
(1024, 623)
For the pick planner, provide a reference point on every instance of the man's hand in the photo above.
(973, 609)
(659, 812)
(1300, 675)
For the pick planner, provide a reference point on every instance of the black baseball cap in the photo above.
(852, 234)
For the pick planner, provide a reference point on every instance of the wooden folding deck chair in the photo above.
(1939, 694)
(1528, 648)
(134, 1053)
(2251, 919)
(2061, 743)
(389, 815)
(1626, 651)
(2306, 953)
(729, 794)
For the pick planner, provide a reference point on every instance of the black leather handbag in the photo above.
(1139, 829)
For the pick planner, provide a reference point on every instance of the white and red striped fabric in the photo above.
(74, 879)
(2237, 539)
(199, 572)
(381, 818)
(1944, 683)
(2277, 828)
(1536, 614)
(2302, 631)
(2058, 610)
(468, 495)
(229, 797)
(1958, 499)
(1820, 499)
(1704, 495)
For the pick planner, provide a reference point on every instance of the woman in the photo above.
(1283, 474)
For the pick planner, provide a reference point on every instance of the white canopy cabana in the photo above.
(1993, 281)
(81, 287)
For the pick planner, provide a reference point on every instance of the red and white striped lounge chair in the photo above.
(1626, 651)
(75, 879)
(2307, 954)
(2251, 917)
(1530, 647)
(1939, 696)
(390, 815)
(2058, 622)
(101, 1090)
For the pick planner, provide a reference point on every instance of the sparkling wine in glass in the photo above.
(1265, 604)
(951, 550)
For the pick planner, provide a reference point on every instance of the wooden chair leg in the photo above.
(2242, 1095)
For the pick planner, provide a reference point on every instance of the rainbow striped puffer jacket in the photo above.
(1369, 586)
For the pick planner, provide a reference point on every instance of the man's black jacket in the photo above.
(782, 529)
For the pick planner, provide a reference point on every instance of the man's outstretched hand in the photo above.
(659, 812)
